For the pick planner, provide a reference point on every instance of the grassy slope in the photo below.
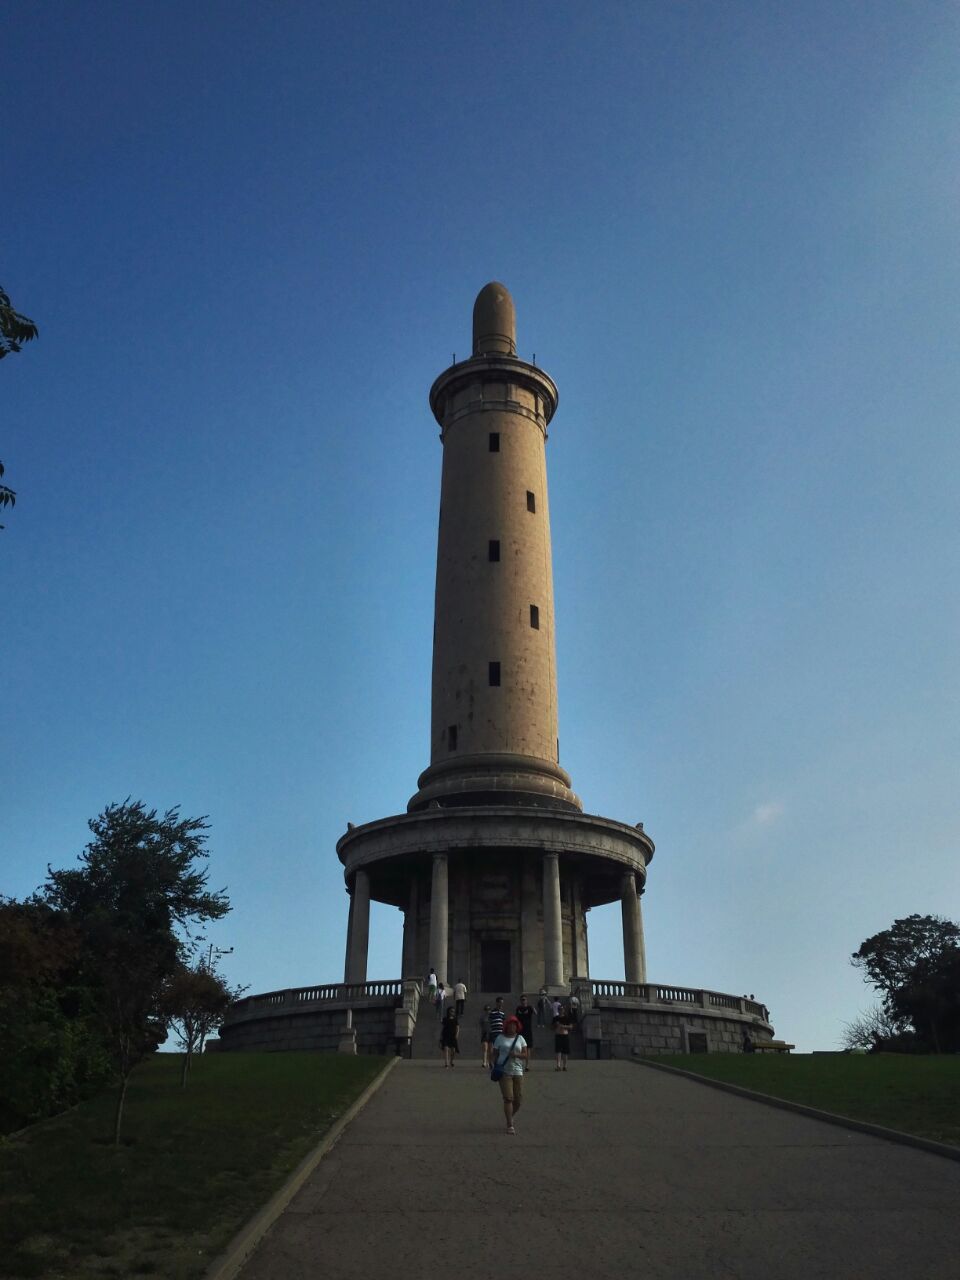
(192, 1167)
(901, 1091)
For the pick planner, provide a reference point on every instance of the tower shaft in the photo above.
(494, 735)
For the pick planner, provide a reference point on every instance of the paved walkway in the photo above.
(616, 1171)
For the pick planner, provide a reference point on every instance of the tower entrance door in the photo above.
(495, 966)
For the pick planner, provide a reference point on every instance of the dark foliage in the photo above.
(85, 968)
(915, 965)
(193, 1002)
(128, 910)
(15, 329)
(51, 1051)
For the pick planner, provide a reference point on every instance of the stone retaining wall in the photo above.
(613, 1030)
(316, 1029)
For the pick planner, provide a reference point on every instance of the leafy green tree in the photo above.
(194, 1001)
(8, 497)
(915, 965)
(51, 1051)
(888, 958)
(930, 1001)
(15, 330)
(139, 891)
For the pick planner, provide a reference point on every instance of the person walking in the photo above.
(574, 1006)
(460, 995)
(432, 984)
(485, 1036)
(561, 1038)
(439, 999)
(449, 1038)
(525, 1014)
(556, 1006)
(510, 1052)
(543, 1007)
(495, 1020)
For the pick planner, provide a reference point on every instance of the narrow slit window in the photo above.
(531, 501)
(494, 441)
(493, 549)
(493, 673)
(452, 738)
(535, 617)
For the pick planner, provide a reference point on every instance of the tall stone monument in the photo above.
(495, 865)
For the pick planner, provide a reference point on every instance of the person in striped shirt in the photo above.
(495, 1020)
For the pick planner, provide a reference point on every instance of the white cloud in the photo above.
(764, 814)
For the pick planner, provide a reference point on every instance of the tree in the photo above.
(135, 898)
(889, 957)
(194, 1001)
(930, 1001)
(15, 329)
(51, 1054)
(915, 965)
(876, 1029)
(8, 497)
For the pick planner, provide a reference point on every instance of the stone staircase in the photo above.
(426, 1033)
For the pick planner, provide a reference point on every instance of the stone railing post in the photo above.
(348, 1036)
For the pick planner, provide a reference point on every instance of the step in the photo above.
(426, 1035)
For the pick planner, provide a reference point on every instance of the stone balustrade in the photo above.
(651, 993)
(342, 993)
(617, 1018)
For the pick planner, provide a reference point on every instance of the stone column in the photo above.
(552, 933)
(643, 945)
(359, 932)
(633, 961)
(410, 921)
(439, 917)
(346, 954)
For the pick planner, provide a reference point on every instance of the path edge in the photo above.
(238, 1251)
(829, 1117)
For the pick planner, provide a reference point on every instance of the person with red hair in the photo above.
(510, 1055)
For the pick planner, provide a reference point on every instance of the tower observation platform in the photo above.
(495, 866)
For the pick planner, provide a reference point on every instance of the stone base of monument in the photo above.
(618, 1020)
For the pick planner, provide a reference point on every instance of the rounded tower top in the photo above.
(494, 321)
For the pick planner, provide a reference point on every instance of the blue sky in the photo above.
(252, 236)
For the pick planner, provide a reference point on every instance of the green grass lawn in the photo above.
(900, 1091)
(192, 1167)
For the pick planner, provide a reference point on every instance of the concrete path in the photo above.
(616, 1171)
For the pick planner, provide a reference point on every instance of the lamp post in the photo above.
(218, 952)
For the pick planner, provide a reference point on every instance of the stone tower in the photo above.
(495, 865)
(494, 734)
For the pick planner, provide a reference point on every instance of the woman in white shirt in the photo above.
(510, 1051)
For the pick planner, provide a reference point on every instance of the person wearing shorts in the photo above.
(510, 1050)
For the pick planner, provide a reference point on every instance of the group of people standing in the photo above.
(506, 1043)
(506, 1040)
(562, 1018)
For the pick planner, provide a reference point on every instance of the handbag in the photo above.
(496, 1071)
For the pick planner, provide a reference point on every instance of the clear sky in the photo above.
(251, 235)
